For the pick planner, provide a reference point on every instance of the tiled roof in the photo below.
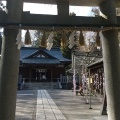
(26, 51)
(56, 52)
(55, 56)
(41, 61)
(95, 63)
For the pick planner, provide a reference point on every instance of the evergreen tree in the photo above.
(56, 42)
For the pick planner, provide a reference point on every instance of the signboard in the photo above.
(42, 70)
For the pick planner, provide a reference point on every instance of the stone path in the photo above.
(46, 108)
(56, 105)
(75, 107)
(26, 105)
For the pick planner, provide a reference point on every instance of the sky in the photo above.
(36, 8)
(52, 9)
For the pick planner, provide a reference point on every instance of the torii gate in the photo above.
(10, 54)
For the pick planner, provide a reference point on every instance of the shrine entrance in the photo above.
(15, 19)
(41, 75)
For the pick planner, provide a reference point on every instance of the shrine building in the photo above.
(42, 65)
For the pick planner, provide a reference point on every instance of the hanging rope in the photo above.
(43, 42)
(27, 38)
(19, 42)
(81, 39)
(72, 40)
(0, 42)
(64, 40)
(97, 40)
(60, 29)
(50, 41)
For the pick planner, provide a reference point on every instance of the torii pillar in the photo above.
(10, 63)
(110, 44)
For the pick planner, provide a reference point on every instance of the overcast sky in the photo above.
(52, 9)
(36, 8)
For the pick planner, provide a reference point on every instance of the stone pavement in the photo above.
(56, 105)
(46, 107)
(26, 105)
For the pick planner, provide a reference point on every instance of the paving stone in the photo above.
(46, 107)
(100, 118)
(56, 105)
(59, 114)
(26, 105)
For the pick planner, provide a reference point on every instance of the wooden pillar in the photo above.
(9, 76)
(63, 7)
(9, 64)
(0, 42)
(15, 9)
(104, 106)
(110, 44)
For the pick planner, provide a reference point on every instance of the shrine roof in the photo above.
(30, 55)
(41, 61)
(56, 52)
(100, 61)
(25, 51)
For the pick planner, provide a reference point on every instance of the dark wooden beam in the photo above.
(55, 20)
(73, 2)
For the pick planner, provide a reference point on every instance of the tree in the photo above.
(36, 39)
(56, 42)
(57, 39)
